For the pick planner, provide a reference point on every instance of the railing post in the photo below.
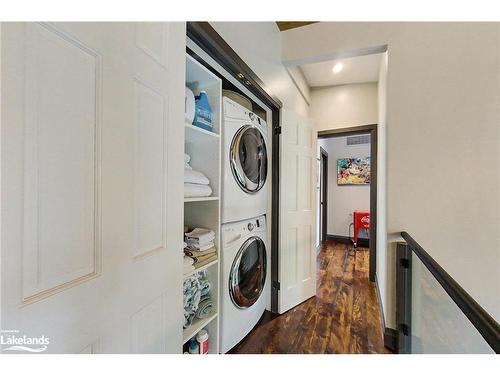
(403, 297)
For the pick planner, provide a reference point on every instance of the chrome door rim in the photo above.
(242, 180)
(235, 268)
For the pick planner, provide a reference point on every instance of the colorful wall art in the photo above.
(353, 171)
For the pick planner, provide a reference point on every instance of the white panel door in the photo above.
(297, 255)
(92, 189)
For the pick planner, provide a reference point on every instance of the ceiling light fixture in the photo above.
(337, 68)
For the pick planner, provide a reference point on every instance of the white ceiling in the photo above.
(356, 70)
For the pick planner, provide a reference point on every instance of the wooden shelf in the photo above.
(197, 326)
(194, 133)
(201, 268)
(200, 199)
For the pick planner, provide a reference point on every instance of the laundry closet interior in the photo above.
(227, 259)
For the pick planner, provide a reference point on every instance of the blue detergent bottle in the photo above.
(203, 112)
(193, 347)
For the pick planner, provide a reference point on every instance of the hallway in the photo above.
(343, 317)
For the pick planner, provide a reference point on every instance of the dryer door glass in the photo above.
(248, 156)
(248, 273)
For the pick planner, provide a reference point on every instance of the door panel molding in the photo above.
(150, 173)
(147, 35)
(92, 348)
(144, 326)
(62, 183)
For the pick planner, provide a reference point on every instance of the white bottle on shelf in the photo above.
(202, 338)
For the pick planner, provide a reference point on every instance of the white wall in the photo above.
(443, 138)
(344, 199)
(344, 105)
(259, 45)
(301, 82)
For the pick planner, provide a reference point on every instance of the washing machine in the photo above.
(244, 269)
(245, 163)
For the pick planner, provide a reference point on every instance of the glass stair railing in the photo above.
(434, 314)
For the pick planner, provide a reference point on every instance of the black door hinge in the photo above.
(404, 328)
(277, 130)
(276, 285)
(404, 263)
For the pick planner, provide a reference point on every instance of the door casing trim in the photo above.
(372, 130)
(324, 192)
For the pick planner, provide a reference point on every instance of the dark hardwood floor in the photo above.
(343, 317)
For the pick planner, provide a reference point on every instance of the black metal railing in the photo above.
(424, 283)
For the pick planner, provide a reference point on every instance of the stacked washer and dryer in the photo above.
(244, 231)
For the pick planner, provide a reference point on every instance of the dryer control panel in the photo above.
(232, 232)
(236, 111)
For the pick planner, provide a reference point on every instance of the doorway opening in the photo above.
(347, 204)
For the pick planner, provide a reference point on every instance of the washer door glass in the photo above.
(248, 156)
(248, 273)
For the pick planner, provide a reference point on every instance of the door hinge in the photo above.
(277, 130)
(276, 285)
(404, 263)
(404, 328)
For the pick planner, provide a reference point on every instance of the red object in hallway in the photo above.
(361, 221)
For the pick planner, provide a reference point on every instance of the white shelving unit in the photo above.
(201, 268)
(194, 132)
(197, 326)
(205, 150)
(200, 199)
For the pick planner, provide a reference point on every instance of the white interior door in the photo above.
(297, 255)
(92, 190)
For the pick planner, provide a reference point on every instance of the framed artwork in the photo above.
(353, 171)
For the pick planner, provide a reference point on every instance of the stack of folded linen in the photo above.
(202, 257)
(197, 300)
(188, 264)
(196, 184)
(191, 298)
(200, 246)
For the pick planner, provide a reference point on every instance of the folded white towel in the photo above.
(196, 190)
(189, 268)
(195, 177)
(198, 244)
(202, 235)
(188, 261)
(187, 158)
(197, 247)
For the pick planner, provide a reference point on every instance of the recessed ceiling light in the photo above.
(337, 68)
